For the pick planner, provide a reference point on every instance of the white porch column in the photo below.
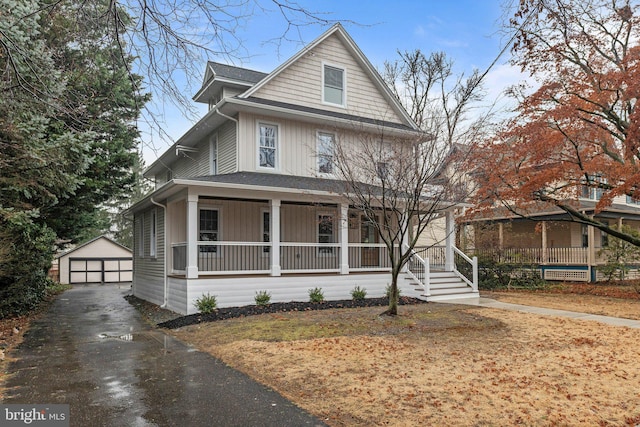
(591, 246)
(500, 236)
(344, 238)
(192, 236)
(405, 225)
(275, 237)
(450, 227)
(544, 242)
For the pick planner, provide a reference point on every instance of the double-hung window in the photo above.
(325, 233)
(333, 85)
(209, 229)
(267, 145)
(326, 152)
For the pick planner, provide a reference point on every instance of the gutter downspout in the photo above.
(164, 245)
(217, 111)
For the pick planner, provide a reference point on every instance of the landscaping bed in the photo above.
(279, 307)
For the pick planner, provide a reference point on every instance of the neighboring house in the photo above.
(246, 200)
(563, 250)
(100, 260)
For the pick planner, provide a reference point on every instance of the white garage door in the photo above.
(100, 270)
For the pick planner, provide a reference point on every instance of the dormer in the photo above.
(225, 81)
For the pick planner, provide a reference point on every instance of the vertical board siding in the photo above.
(297, 144)
(301, 83)
(227, 162)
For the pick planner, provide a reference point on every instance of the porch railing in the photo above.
(435, 254)
(466, 268)
(368, 257)
(179, 256)
(550, 256)
(309, 257)
(233, 257)
(419, 269)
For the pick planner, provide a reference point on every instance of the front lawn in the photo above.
(437, 364)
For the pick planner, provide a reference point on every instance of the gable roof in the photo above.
(87, 243)
(218, 75)
(341, 33)
(233, 73)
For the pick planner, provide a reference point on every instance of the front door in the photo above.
(369, 234)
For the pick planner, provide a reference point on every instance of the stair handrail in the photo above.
(425, 282)
(474, 268)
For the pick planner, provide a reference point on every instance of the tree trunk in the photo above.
(392, 310)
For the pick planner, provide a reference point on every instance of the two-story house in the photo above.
(246, 200)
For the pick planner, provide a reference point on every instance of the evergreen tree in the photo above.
(67, 136)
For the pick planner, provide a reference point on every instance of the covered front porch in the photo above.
(234, 242)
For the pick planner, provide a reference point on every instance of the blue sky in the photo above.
(467, 30)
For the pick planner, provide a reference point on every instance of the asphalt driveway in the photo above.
(93, 351)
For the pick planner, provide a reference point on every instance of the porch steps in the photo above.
(445, 286)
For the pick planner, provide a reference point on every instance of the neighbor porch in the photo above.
(561, 250)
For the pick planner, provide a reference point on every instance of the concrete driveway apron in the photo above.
(93, 351)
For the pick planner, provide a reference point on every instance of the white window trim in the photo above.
(333, 233)
(344, 84)
(213, 154)
(276, 167)
(328, 174)
(153, 234)
(219, 210)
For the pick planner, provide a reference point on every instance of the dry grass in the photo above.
(437, 365)
(617, 300)
(11, 335)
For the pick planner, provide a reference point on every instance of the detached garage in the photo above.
(100, 260)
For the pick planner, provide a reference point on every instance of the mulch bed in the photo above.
(280, 307)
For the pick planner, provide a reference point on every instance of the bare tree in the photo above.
(436, 98)
(395, 185)
(402, 183)
(169, 41)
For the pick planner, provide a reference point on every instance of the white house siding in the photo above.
(148, 277)
(227, 148)
(301, 83)
(240, 291)
(297, 144)
(177, 295)
(434, 234)
(189, 165)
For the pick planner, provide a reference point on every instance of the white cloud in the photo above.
(419, 31)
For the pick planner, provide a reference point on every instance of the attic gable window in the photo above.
(333, 85)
